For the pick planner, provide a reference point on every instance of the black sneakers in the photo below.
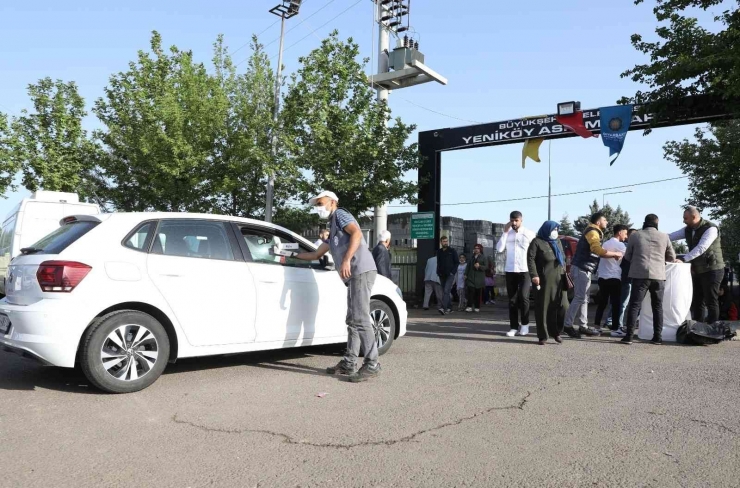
(626, 340)
(365, 373)
(572, 332)
(656, 340)
(589, 331)
(341, 368)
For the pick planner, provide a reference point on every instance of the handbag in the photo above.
(568, 282)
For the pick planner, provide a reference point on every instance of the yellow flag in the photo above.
(531, 150)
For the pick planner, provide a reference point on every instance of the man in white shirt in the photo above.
(431, 283)
(515, 241)
(610, 278)
(707, 264)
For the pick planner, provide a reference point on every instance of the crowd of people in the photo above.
(630, 265)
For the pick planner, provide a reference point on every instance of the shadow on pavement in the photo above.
(23, 374)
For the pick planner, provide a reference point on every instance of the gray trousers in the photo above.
(429, 287)
(578, 311)
(361, 334)
(447, 290)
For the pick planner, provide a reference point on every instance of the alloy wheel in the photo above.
(129, 352)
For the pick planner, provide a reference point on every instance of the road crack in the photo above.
(390, 442)
(721, 427)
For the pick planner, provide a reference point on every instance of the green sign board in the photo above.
(422, 225)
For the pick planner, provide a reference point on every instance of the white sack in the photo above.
(676, 303)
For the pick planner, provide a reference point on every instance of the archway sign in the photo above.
(432, 143)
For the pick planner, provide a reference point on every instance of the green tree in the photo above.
(566, 227)
(613, 215)
(243, 155)
(693, 59)
(680, 247)
(712, 164)
(689, 59)
(162, 118)
(8, 166)
(341, 136)
(50, 146)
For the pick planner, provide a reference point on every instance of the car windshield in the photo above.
(61, 238)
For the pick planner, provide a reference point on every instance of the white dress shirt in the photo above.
(516, 245)
(609, 268)
(709, 236)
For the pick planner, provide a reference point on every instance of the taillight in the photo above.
(61, 276)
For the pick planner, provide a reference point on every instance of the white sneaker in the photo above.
(511, 333)
(523, 330)
(468, 309)
(476, 310)
(621, 332)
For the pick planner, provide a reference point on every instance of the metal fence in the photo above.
(403, 266)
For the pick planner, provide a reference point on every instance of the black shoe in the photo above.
(589, 331)
(341, 368)
(626, 340)
(365, 373)
(558, 339)
(656, 340)
(572, 332)
(442, 311)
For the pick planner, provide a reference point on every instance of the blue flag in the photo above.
(614, 123)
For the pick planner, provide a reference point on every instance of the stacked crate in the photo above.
(454, 229)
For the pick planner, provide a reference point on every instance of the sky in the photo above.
(502, 59)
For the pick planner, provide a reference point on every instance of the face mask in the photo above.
(324, 213)
(554, 234)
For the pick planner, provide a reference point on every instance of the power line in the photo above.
(555, 195)
(265, 30)
(438, 113)
(305, 19)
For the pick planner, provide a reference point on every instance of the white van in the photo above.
(34, 218)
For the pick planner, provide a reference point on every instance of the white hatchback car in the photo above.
(122, 294)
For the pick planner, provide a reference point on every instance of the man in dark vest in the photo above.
(357, 269)
(584, 264)
(707, 265)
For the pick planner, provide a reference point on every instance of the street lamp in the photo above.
(613, 193)
(568, 108)
(284, 10)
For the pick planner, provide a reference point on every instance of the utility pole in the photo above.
(549, 180)
(285, 10)
(381, 211)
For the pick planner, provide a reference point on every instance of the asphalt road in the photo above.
(458, 404)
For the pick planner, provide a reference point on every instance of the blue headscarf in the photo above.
(544, 234)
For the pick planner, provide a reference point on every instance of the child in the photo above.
(490, 283)
(460, 282)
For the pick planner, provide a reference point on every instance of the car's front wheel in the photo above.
(124, 351)
(384, 324)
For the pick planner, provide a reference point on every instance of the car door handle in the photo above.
(172, 275)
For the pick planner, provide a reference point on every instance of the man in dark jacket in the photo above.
(707, 263)
(584, 263)
(447, 262)
(381, 255)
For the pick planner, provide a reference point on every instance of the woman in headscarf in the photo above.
(546, 262)
(475, 278)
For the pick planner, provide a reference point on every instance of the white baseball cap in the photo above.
(323, 194)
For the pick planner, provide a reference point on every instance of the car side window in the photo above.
(193, 239)
(139, 238)
(262, 242)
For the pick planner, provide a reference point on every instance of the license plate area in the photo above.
(4, 324)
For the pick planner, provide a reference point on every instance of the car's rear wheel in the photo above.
(384, 324)
(124, 351)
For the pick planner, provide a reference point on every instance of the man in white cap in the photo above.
(357, 269)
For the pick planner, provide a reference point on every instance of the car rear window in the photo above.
(61, 238)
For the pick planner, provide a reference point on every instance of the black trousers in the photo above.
(640, 288)
(609, 291)
(517, 287)
(474, 296)
(706, 293)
